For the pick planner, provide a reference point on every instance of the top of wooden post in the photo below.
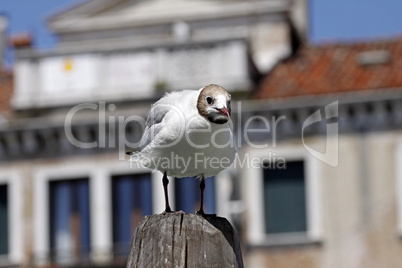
(185, 240)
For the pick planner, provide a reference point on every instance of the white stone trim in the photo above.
(398, 161)
(314, 198)
(15, 223)
(158, 198)
(223, 186)
(252, 182)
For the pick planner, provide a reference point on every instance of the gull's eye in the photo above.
(209, 99)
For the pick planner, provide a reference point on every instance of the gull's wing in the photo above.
(153, 124)
(165, 123)
(166, 119)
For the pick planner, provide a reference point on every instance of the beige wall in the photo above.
(360, 226)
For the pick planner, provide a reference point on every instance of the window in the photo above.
(283, 202)
(69, 220)
(11, 222)
(132, 199)
(188, 195)
(92, 197)
(4, 219)
(285, 199)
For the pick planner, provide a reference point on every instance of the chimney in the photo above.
(21, 40)
(22, 44)
(3, 42)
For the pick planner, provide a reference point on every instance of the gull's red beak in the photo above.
(224, 112)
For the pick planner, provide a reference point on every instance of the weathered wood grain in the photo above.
(184, 240)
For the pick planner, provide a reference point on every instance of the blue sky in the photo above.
(330, 20)
(350, 20)
(30, 15)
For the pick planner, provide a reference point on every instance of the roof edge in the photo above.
(80, 7)
(66, 23)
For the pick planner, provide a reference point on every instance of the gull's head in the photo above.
(214, 104)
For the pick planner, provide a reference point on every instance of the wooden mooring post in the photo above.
(184, 240)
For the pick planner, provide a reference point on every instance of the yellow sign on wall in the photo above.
(68, 64)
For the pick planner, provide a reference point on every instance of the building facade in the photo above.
(317, 182)
(338, 202)
(69, 197)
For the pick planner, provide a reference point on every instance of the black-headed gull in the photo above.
(187, 134)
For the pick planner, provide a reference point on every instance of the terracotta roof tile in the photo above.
(336, 68)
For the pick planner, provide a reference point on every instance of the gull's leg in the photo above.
(202, 188)
(165, 181)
